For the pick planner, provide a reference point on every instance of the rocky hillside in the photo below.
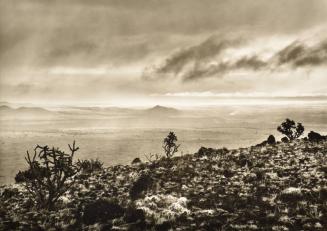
(266, 187)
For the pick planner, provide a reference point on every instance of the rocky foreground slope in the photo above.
(267, 187)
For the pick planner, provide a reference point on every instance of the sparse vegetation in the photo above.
(90, 166)
(169, 145)
(263, 187)
(49, 175)
(102, 211)
(290, 129)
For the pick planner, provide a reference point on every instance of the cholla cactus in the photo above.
(169, 145)
(49, 175)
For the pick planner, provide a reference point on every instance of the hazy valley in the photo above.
(118, 135)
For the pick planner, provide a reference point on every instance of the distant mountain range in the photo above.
(7, 112)
(161, 111)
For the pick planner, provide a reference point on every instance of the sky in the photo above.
(128, 52)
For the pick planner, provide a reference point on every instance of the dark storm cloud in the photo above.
(203, 61)
(299, 54)
(220, 69)
(33, 31)
(203, 52)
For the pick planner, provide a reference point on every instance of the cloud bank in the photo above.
(103, 50)
(209, 59)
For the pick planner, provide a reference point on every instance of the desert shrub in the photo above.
(284, 139)
(9, 193)
(21, 176)
(136, 161)
(49, 174)
(89, 166)
(143, 183)
(323, 194)
(169, 144)
(153, 159)
(101, 211)
(291, 195)
(315, 137)
(244, 161)
(271, 140)
(210, 151)
(290, 129)
(228, 173)
(133, 214)
(165, 226)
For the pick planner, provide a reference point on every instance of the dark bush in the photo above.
(90, 166)
(243, 161)
(138, 226)
(212, 225)
(284, 139)
(133, 215)
(228, 173)
(22, 175)
(9, 193)
(106, 227)
(290, 129)
(101, 211)
(165, 226)
(291, 197)
(315, 137)
(136, 161)
(323, 194)
(143, 183)
(204, 151)
(48, 174)
(271, 140)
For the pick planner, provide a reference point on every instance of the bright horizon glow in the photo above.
(187, 102)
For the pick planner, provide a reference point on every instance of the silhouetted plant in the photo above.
(271, 140)
(315, 137)
(153, 158)
(49, 175)
(169, 145)
(89, 166)
(291, 129)
(136, 161)
(21, 176)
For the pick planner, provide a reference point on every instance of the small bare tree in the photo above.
(290, 129)
(169, 145)
(50, 174)
(153, 158)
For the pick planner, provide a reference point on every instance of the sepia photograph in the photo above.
(163, 115)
